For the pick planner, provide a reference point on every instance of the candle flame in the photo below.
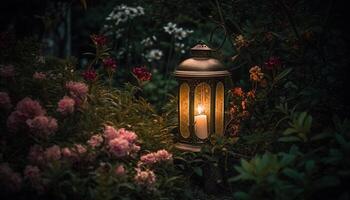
(200, 109)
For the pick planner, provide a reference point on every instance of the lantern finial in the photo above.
(201, 50)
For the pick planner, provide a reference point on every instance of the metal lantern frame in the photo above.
(200, 70)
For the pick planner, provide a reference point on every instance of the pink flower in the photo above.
(25, 109)
(155, 157)
(66, 152)
(120, 142)
(16, 121)
(42, 126)
(163, 155)
(10, 179)
(30, 108)
(272, 62)
(110, 133)
(120, 170)
(53, 153)
(95, 141)
(7, 71)
(39, 76)
(77, 90)
(109, 64)
(148, 159)
(5, 101)
(66, 105)
(32, 172)
(99, 40)
(80, 149)
(90, 75)
(134, 149)
(36, 155)
(127, 135)
(145, 178)
(119, 147)
(141, 73)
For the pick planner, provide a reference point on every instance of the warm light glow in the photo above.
(200, 109)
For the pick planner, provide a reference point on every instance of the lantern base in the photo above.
(187, 147)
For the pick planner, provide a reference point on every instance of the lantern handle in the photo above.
(212, 33)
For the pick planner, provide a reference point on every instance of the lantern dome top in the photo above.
(201, 64)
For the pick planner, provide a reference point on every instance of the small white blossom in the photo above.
(154, 54)
(178, 32)
(170, 28)
(149, 41)
(119, 15)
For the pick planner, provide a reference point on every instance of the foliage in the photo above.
(286, 137)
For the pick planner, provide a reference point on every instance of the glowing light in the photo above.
(200, 109)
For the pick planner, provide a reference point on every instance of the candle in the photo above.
(201, 124)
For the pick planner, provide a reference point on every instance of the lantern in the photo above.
(201, 101)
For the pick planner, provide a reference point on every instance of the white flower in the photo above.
(179, 33)
(149, 41)
(154, 54)
(170, 28)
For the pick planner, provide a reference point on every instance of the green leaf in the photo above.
(287, 159)
(321, 136)
(301, 119)
(292, 174)
(246, 165)
(289, 131)
(309, 165)
(241, 195)
(289, 139)
(198, 171)
(283, 74)
(307, 123)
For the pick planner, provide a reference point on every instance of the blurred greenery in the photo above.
(287, 131)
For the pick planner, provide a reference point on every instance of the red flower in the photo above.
(90, 75)
(237, 91)
(272, 63)
(110, 64)
(99, 40)
(142, 73)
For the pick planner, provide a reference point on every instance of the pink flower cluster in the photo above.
(78, 91)
(95, 141)
(99, 40)
(39, 76)
(9, 178)
(29, 113)
(120, 170)
(89, 75)
(155, 157)
(109, 64)
(145, 178)
(38, 156)
(66, 105)
(7, 71)
(142, 74)
(33, 175)
(42, 126)
(5, 101)
(121, 142)
(31, 172)
(52, 153)
(272, 63)
(74, 153)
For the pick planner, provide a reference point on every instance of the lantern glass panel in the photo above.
(202, 104)
(184, 109)
(219, 108)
